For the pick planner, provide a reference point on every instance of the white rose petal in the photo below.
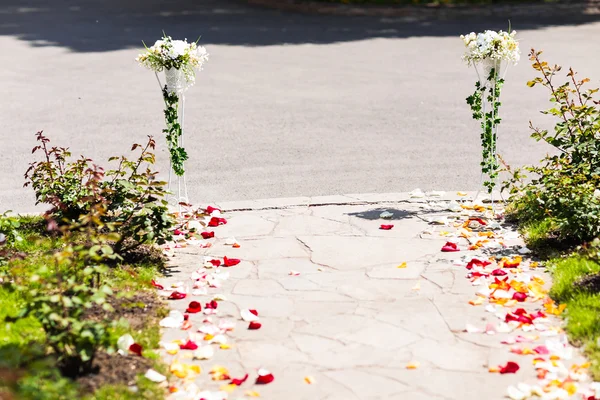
(248, 316)
(123, 343)
(155, 376)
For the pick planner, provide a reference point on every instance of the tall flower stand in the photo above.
(490, 75)
(176, 84)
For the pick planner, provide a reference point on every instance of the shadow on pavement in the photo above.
(106, 25)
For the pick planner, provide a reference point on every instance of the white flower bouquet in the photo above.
(174, 55)
(491, 45)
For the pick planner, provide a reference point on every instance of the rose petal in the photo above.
(309, 379)
(413, 365)
(520, 297)
(254, 312)
(207, 235)
(177, 296)
(157, 285)
(212, 305)
(294, 273)
(124, 343)
(216, 263)
(264, 377)
(499, 272)
(136, 349)
(154, 376)
(254, 325)
(194, 307)
(216, 221)
(211, 209)
(174, 320)
(249, 316)
(541, 350)
(189, 345)
(386, 227)
(511, 367)
(230, 262)
(204, 353)
(450, 247)
(239, 381)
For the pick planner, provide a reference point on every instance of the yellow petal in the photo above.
(225, 346)
(413, 365)
(309, 379)
(403, 265)
(252, 393)
(228, 388)
(461, 193)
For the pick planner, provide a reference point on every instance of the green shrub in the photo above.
(563, 190)
(133, 198)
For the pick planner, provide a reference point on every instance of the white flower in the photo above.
(491, 45)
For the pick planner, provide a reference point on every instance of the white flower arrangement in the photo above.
(167, 54)
(491, 45)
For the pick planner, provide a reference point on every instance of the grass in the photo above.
(582, 315)
(26, 370)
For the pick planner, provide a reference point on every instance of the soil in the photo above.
(589, 283)
(113, 369)
(138, 308)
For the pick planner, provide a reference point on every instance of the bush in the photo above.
(564, 189)
(133, 198)
(57, 295)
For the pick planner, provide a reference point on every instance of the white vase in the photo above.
(484, 69)
(176, 81)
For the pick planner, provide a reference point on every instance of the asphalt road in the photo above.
(288, 104)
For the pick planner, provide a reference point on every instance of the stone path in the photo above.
(351, 319)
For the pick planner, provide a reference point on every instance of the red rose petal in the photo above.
(520, 297)
(254, 312)
(207, 235)
(177, 296)
(216, 221)
(264, 378)
(230, 262)
(136, 349)
(450, 247)
(510, 368)
(239, 381)
(189, 345)
(254, 325)
(194, 307)
(476, 262)
(210, 209)
(216, 263)
(157, 285)
(212, 305)
(479, 220)
(178, 232)
(499, 272)
(542, 350)
(386, 227)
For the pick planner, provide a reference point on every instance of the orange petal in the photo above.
(251, 393)
(309, 379)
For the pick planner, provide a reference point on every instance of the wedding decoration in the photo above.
(179, 60)
(490, 53)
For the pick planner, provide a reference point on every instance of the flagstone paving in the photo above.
(351, 319)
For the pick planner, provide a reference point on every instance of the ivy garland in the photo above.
(489, 122)
(174, 132)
